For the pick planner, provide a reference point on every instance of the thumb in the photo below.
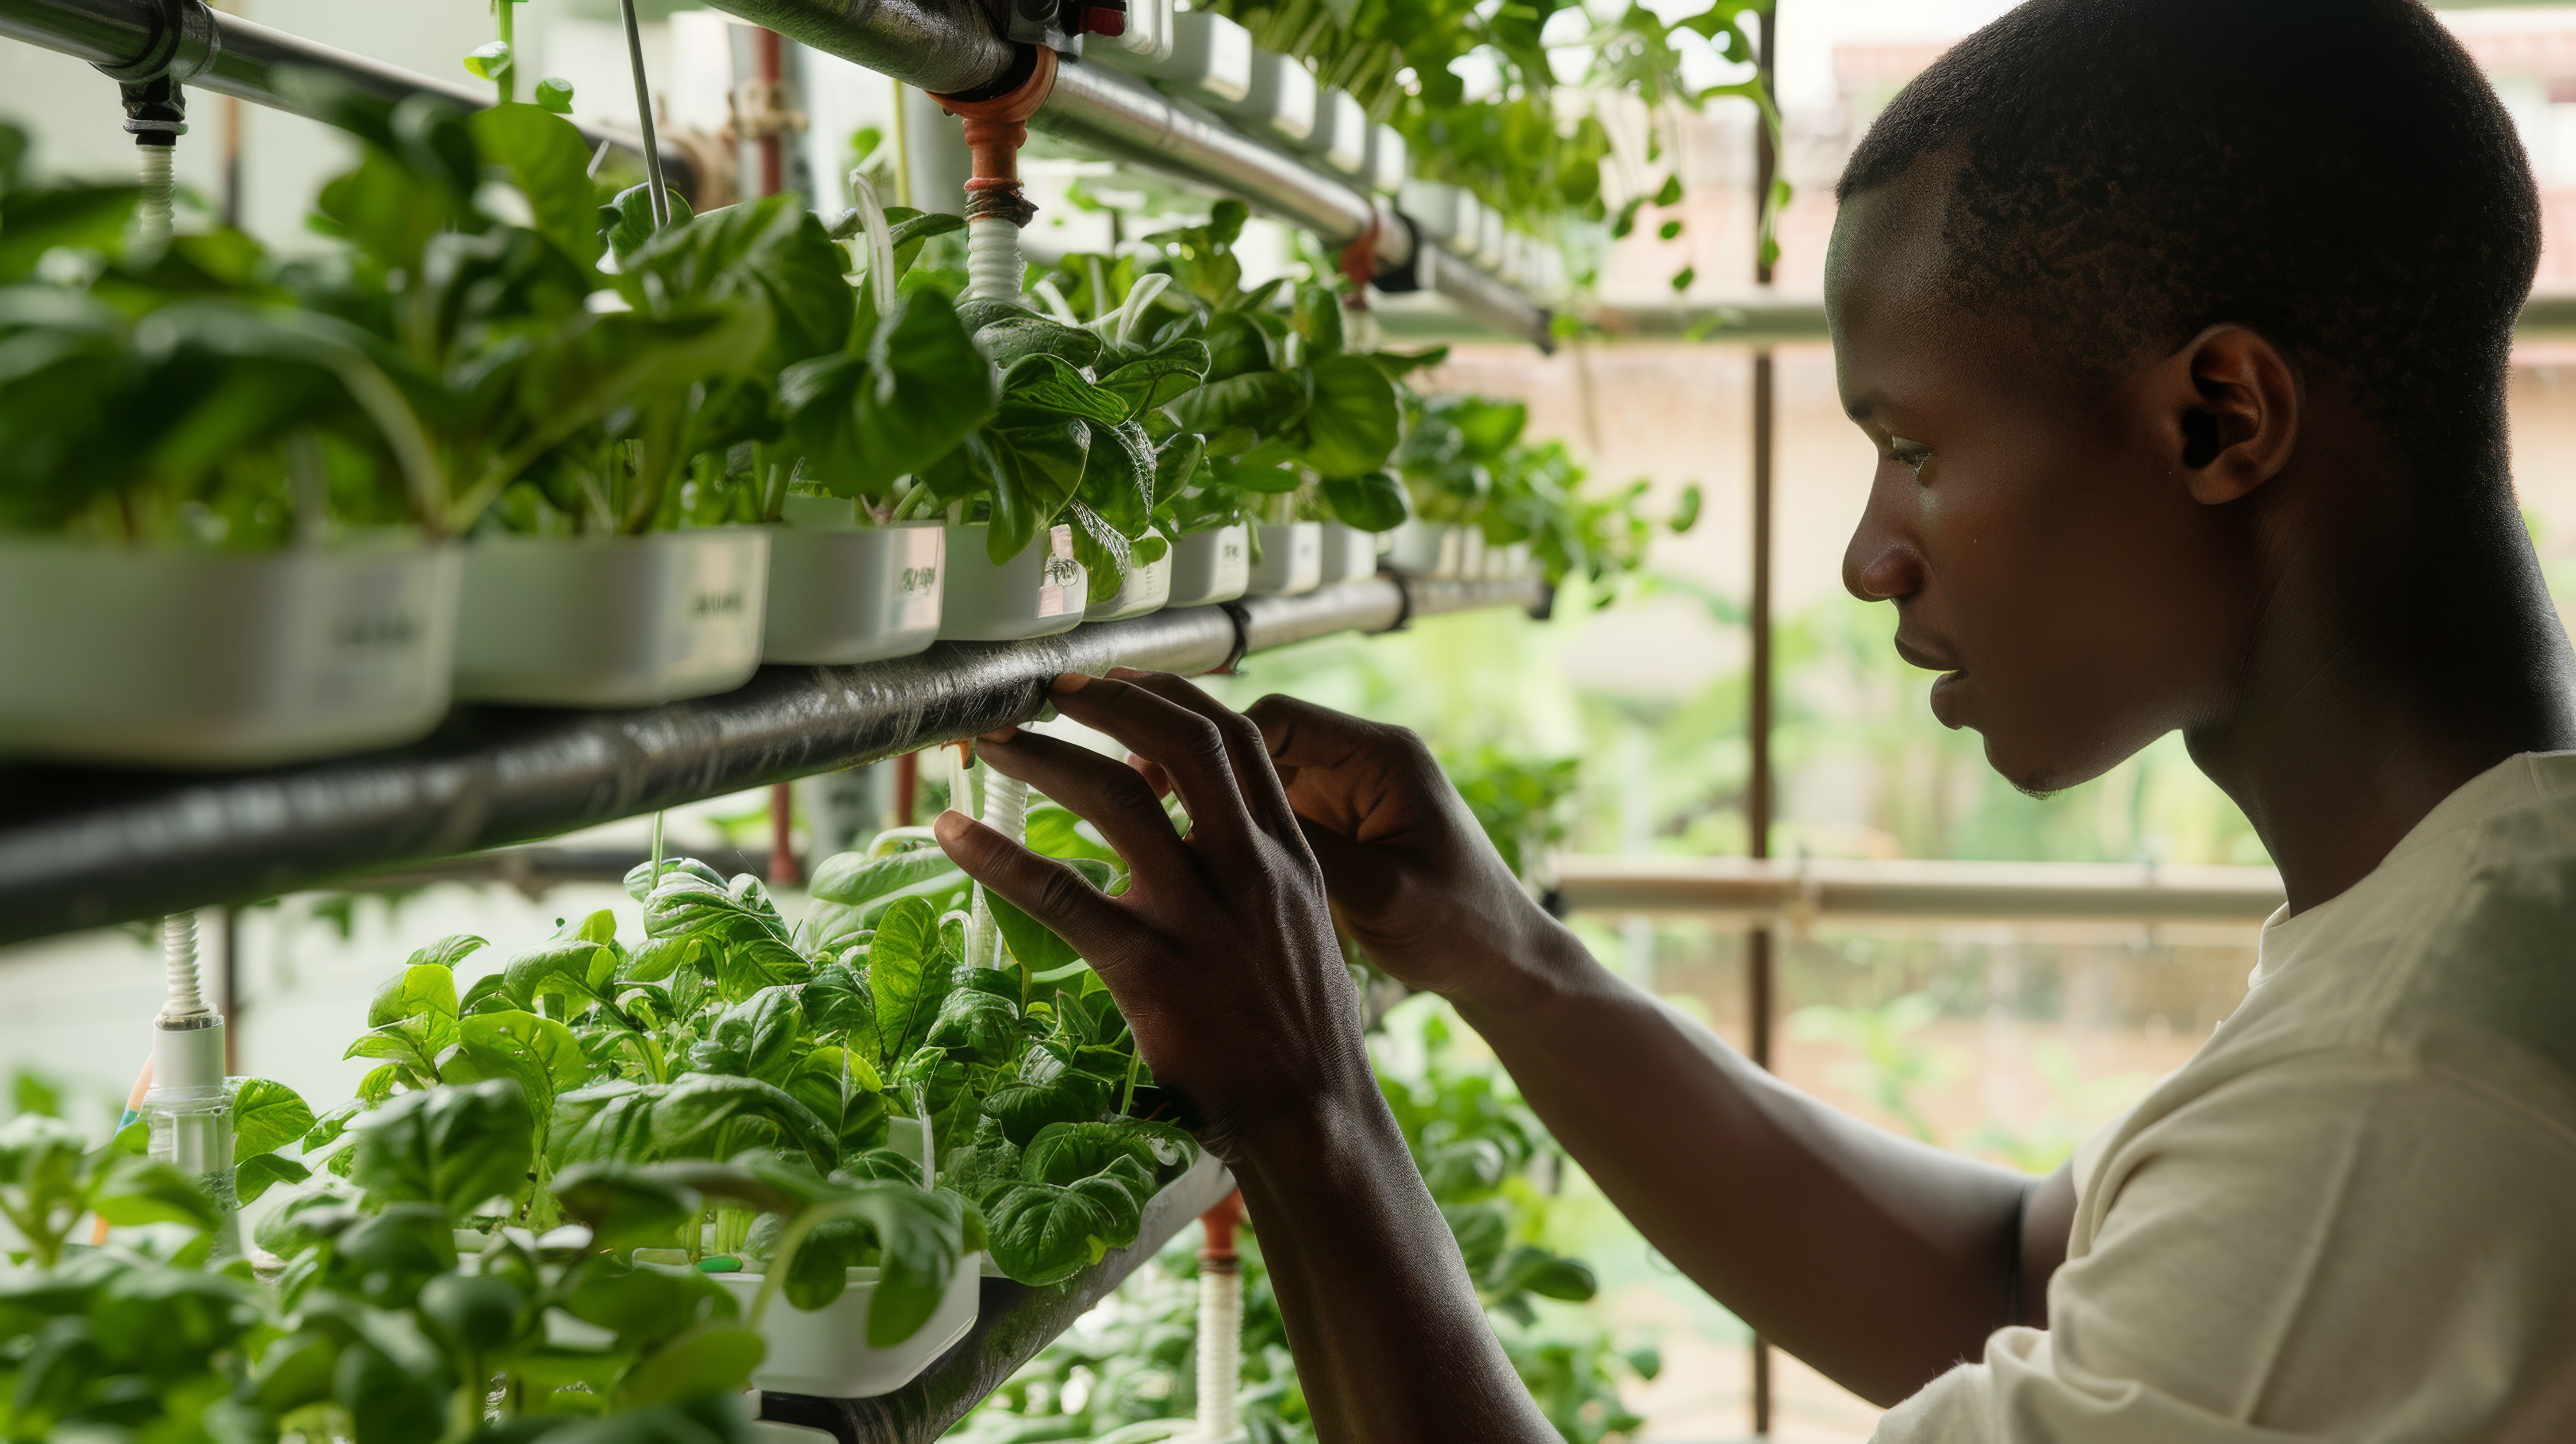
(1355, 873)
(1042, 887)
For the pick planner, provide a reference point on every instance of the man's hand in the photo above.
(1221, 952)
(1414, 880)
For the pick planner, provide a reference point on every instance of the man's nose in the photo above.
(1880, 563)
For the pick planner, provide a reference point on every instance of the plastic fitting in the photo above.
(996, 127)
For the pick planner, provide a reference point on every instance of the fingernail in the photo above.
(1125, 674)
(949, 824)
(999, 734)
(1070, 682)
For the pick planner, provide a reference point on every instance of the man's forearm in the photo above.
(1391, 1341)
(1875, 1259)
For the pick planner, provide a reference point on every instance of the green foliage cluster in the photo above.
(587, 1130)
(1491, 1169)
(1512, 143)
(1464, 461)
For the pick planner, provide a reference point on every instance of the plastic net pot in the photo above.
(1281, 101)
(1147, 589)
(1390, 163)
(622, 621)
(1341, 133)
(1348, 554)
(1211, 566)
(1432, 204)
(826, 1353)
(1210, 58)
(841, 593)
(152, 656)
(1038, 593)
(1420, 548)
(1292, 559)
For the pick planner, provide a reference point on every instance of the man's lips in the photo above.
(1925, 658)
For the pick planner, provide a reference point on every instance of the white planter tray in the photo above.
(842, 593)
(1211, 566)
(825, 1353)
(1292, 559)
(1432, 204)
(1148, 589)
(1422, 548)
(611, 621)
(1389, 162)
(1038, 593)
(1348, 554)
(160, 657)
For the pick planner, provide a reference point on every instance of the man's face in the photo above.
(2033, 530)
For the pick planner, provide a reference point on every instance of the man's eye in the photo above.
(1911, 457)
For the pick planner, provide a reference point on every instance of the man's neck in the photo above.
(2371, 695)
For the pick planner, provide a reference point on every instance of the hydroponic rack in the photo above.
(87, 847)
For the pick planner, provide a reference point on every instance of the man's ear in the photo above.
(2232, 402)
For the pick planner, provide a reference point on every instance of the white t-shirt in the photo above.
(2352, 1215)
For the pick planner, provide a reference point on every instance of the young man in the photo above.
(2182, 328)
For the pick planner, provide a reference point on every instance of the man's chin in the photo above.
(2039, 772)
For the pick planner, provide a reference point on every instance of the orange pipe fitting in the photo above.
(997, 128)
(1220, 1223)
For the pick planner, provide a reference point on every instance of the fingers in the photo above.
(1042, 887)
(1096, 789)
(1244, 751)
(1188, 747)
(1298, 733)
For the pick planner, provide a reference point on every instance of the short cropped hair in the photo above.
(2334, 173)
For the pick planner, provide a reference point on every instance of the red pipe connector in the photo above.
(1220, 1222)
(995, 131)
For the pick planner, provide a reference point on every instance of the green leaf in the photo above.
(691, 1118)
(977, 1026)
(539, 1054)
(909, 973)
(840, 1004)
(771, 252)
(455, 1147)
(422, 990)
(1354, 422)
(1374, 502)
(1044, 1233)
(1256, 404)
(624, 1208)
(139, 1191)
(267, 1116)
(554, 97)
(561, 968)
(853, 878)
(1317, 317)
(1039, 386)
(1070, 1152)
(490, 60)
(1025, 1108)
(448, 951)
(1023, 334)
(710, 1360)
(755, 1038)
(550, 164)
(254, 1176)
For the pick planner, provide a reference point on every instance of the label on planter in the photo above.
(1061, 585)
(916, 588)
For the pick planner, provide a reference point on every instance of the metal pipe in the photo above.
(252, 62)
(657, 198)
(85, 847)
(947, 47)
(1809, 888)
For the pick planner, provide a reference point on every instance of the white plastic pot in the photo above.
(1421, 548)
(1146, 42)
(611, 621)
(1341, 133)
(1210, 58)
(1281, 102)
(1471, 554)
(841, 593)
(1147, 589)
(169, 658)
(1211, 566)
(1038, 593)
(1348, 554)
(1468, 227)
(1389, 162)
(1432, 204)
(826, 1353)
(1292, 559)
(1508, 564)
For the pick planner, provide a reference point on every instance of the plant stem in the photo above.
(508, 80)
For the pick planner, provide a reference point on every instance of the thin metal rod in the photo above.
(660, 198)
(1920, 888)
(1760, 979)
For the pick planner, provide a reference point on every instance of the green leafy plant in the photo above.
(1464, 462)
